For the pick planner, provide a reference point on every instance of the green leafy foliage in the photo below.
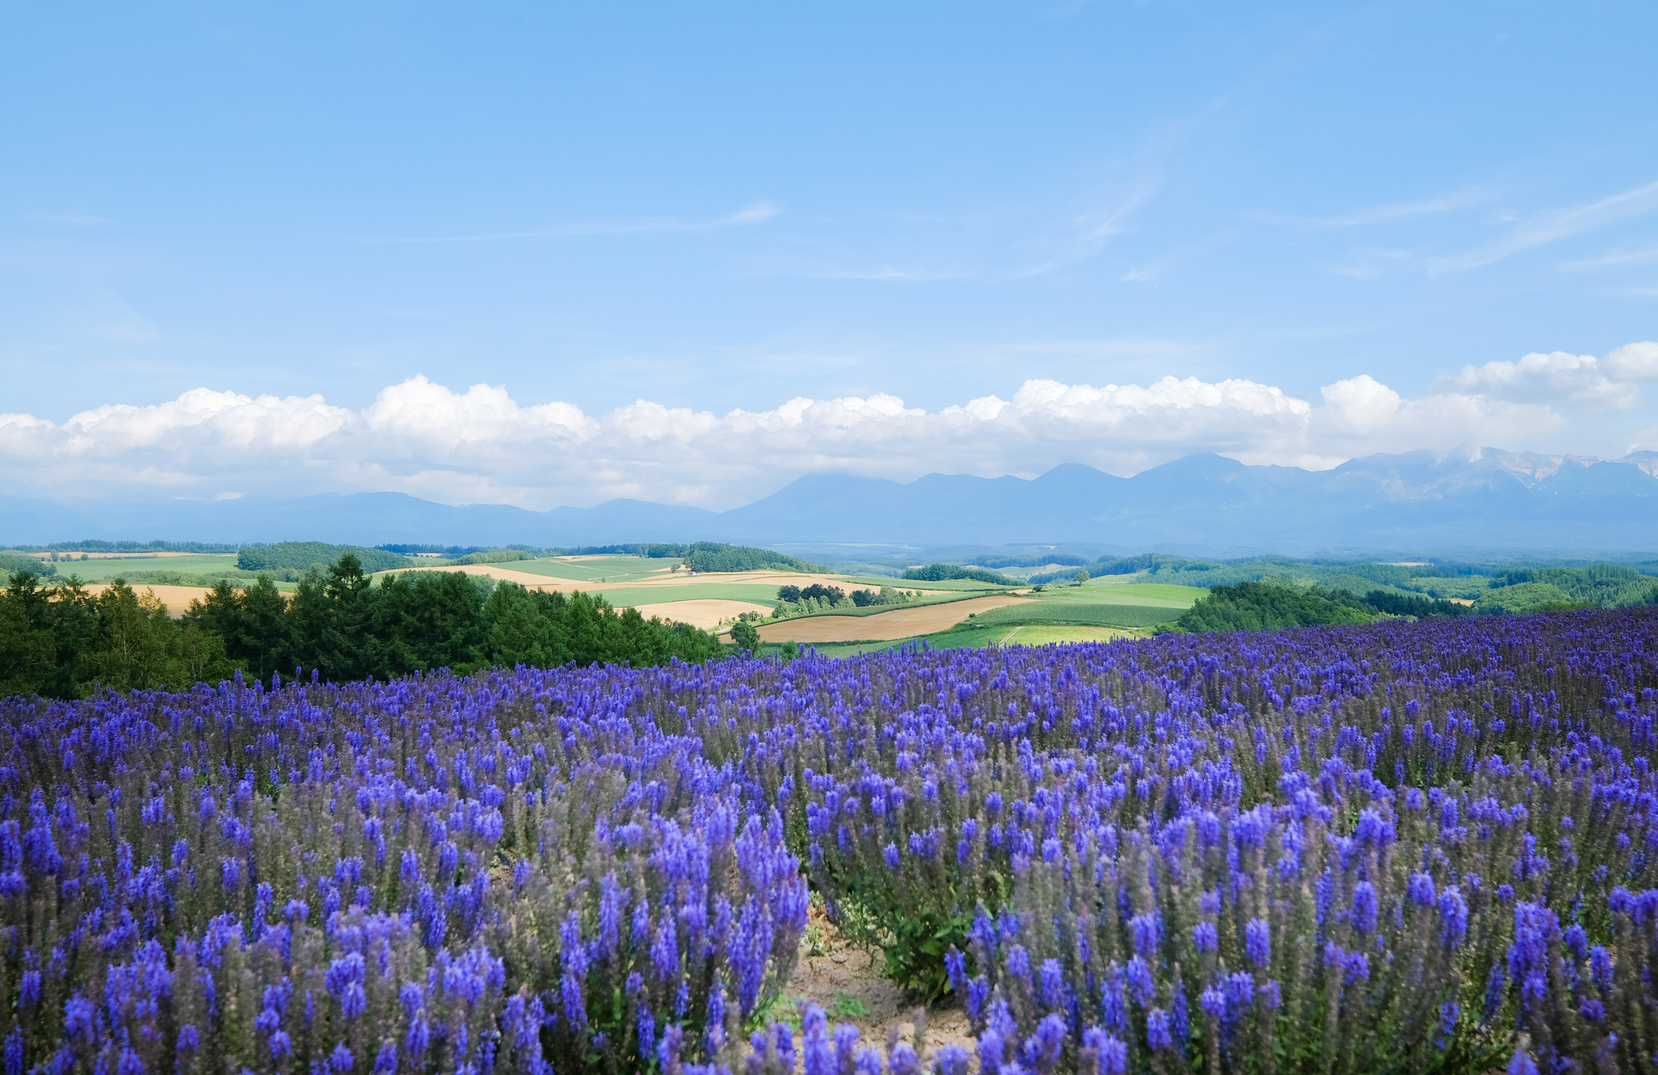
(944, 572)
(1599, 585)
(713, 556)
(846, 1006)
(11, 562)
(164, 577)
(130, 546)
(745, 636)
(1263, 606)
(1525, 597)
(494, 556)
(303, 555)
(817, 591)
(1396, 604)
(63, 642)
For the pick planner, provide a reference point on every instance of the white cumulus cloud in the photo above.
(1565, 379)
(482, 445)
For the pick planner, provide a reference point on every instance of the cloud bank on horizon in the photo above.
(483, 446)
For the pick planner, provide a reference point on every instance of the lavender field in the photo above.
(1402, 847)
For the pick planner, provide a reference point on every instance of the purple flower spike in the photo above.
(1258, 942)
(1157, 1030)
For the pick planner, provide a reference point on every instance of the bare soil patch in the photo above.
(846, 982)
(706, 612)
(899, 623)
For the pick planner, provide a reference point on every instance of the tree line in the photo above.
(946, 572)
(1266, 606)
(65, 642)
(818, 597)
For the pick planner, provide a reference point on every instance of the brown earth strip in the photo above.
(899, 623)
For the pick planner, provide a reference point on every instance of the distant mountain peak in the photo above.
(1416, 503)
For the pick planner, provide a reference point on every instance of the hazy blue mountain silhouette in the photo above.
(1202, 504)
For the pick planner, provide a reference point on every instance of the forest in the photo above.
(946, 572)
(1267, 606)
(339, 625)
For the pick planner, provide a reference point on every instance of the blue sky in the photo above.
(727, 207)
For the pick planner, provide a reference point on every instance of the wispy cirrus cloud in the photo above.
(753, 213)
(1368, 263)
(1624, 256)
(1556, 224)
(1378, 214)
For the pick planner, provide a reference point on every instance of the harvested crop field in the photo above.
(176, 598)
(900, 623)
(706, 613)
(637, 591)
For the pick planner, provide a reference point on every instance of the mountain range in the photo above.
(1425, 503)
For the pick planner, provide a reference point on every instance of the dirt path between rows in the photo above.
(884, 626)
(846, 982)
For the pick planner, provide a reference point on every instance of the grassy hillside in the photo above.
(1081, 613)
(609, 568)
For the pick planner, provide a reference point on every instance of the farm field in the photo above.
(108, 566)
(1443, 823)
(1150, 593)
(1040, 635)
(903, 622)
(706, 613)
(594, 568)
(1108, 610)
(680, 596)
(176, 598)
(703, 600)
(1132, 605)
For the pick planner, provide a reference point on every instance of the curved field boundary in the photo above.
(885, 626)
(706, 613)
(533, 581)
(1080, 614)
(1048, 635)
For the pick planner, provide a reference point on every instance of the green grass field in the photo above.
(962, 637)
(875, 582)
(974, 635)
(1079, 614)
(1134, 593)
(608, 568)
(195, 564)
(1059, 614)
(1047, 636)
